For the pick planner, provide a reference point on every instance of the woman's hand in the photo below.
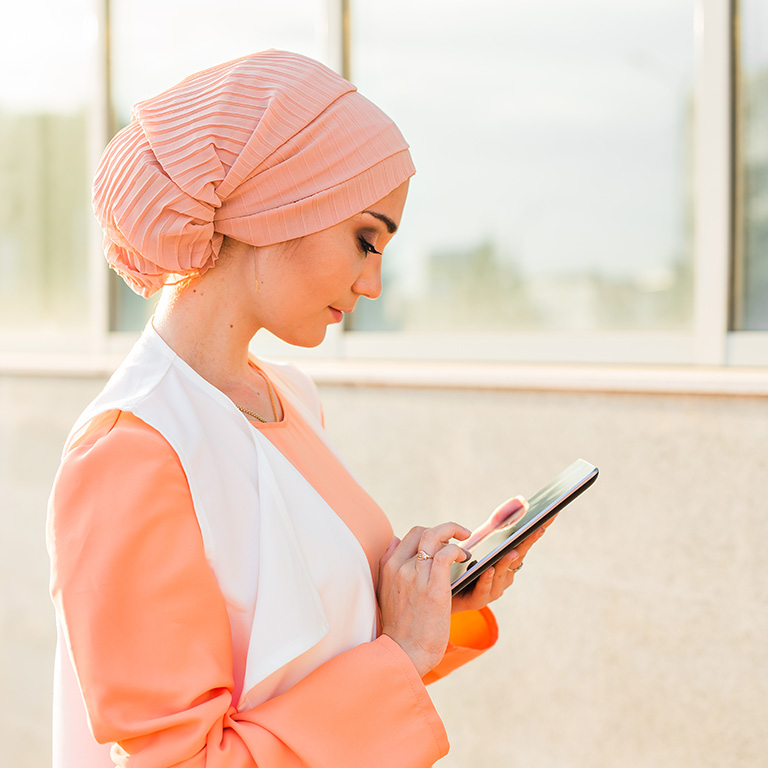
(492, 584)
(415, 593)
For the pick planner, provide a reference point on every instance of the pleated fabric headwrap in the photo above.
(264, 149)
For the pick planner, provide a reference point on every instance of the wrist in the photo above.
(422, 660)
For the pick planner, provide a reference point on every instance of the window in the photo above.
(592, 186)
(751, 193)
(554, 146)
(45, 102)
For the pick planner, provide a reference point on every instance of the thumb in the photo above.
(390, 549)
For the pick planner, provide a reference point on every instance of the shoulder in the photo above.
(116, 456)
(118, 435)
(119, 486)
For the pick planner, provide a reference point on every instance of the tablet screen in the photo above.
(541, 506)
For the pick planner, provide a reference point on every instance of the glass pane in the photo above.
(185, 36)
(553, 142)
(751, 283)
(43, 174)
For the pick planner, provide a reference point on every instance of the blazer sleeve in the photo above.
(148, 633)
(472, 634)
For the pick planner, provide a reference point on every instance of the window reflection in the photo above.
(43, 108)
(553, 141)
(751, 231)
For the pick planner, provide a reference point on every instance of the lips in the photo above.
(338, 315)
(344, 310)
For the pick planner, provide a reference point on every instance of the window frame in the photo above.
(709, 343)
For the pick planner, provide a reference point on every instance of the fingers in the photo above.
(436, 542)
(404, 549)
(428, 540)
(390, 549)
(432, 540)
(449, 554)
(503, 574)
(495, 580)
(414, 592)
(512, 562)
(492, 584)
(529, 541)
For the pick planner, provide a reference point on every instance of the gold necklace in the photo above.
(271, 400)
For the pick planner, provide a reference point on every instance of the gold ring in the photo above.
(422, 555)
(515, 570)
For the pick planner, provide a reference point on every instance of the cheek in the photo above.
(328, 273)
(318, 269)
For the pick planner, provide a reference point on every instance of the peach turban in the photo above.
(263, 149)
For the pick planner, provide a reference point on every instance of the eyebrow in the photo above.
(391, 226)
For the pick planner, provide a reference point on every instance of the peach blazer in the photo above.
(176, 648)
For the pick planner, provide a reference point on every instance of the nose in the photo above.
(368, 283)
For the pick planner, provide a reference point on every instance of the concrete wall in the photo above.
(637, 634)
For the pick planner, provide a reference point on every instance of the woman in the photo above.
(226, 594)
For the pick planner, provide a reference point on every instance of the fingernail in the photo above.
(467, 554)
(489, 572)
(514, 555)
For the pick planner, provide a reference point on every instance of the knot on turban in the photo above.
(262, 149)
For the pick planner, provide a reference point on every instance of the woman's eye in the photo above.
(366, 247)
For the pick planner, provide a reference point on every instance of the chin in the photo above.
(306, 340)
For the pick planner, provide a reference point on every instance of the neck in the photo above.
(204, 324)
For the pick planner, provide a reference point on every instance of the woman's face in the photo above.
(307, 284)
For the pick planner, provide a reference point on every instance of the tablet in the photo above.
(540, 507)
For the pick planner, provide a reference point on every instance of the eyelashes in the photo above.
(366, 247)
